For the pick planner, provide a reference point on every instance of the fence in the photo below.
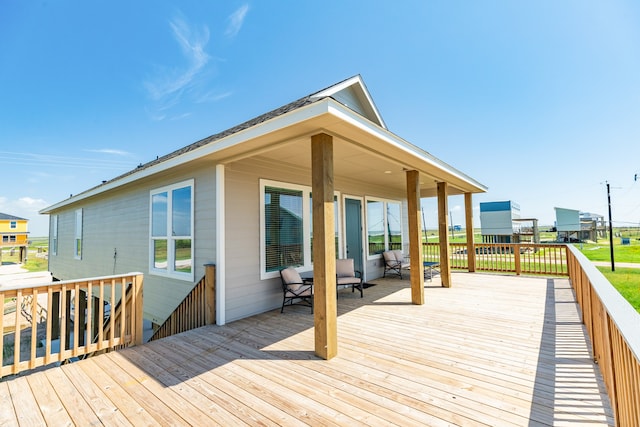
(55, 322)
(613, 327)
(521, 258)
(196, 310)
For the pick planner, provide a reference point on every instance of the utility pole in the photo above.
(613, 265)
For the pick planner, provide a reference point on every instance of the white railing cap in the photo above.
(626, 318)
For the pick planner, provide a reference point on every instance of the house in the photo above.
(14, 234)
(567, 225)
(592, 226)
(574, 226)
(300, 185)
(500, 222)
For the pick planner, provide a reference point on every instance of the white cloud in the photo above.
(213, 96)
(169, 84)
(110, 151)
(236, 19)
(28, 207)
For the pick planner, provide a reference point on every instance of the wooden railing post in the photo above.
(137, 310)
(210, 294)
(516, 258)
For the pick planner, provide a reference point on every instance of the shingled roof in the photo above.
(309, 99)
(4, 216)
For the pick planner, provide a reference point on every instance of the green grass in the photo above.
(601, 251)
(34, 263)
(627, 282)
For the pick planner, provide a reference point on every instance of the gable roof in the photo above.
(4, 216)
(348, 99)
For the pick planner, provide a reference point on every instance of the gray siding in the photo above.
(246, 293)
(116, 238)
(118, 222)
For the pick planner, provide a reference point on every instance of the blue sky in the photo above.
(540, 101)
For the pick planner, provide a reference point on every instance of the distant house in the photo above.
(242, 199)
(14, 234)
(573, 225)
(500, 222)
(592, 226)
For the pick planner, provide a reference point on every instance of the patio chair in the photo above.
(295, 289)
(347, 275)
(394, 262)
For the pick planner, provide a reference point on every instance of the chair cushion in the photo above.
(345, 268)
(348, 280)
(290, 275)
(398, 255)
(389, 257)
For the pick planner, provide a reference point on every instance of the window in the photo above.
(384, 226)
(286, 223)
(77, 247)
(284, 228)
(13, 225)
(171, 231)
(54, 235)
(336, 216)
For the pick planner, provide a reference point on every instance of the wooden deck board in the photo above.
(492, 350)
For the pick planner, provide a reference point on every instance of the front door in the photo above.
(353, 230)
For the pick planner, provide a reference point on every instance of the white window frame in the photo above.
(385, 220)
(78, 244)
(306, 225)
(54, 235)
(13, 225)
(170, 270)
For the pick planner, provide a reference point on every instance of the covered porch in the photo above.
(493, 350)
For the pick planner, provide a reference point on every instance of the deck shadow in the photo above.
(559, 351)
(198, 352)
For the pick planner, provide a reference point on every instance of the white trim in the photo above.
(363, 92)
(77, 235)
(363, 235)
(355, 119)
(170, 271)
(385, 222)
(306, 225)
(54, 235)
(306, 212)
(291, 118)
(280, 122)
(221, 248)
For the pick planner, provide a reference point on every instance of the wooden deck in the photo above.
(492, 350)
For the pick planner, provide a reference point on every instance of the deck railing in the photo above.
(196, 310)
(614, 328)
(519, 258)
(55, 322)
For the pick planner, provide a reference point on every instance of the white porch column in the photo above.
(220, 245)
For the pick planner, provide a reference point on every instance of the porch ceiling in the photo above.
(361, 154)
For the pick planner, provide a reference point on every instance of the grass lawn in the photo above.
(627, 282)
(34, 263)
(601, 252)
